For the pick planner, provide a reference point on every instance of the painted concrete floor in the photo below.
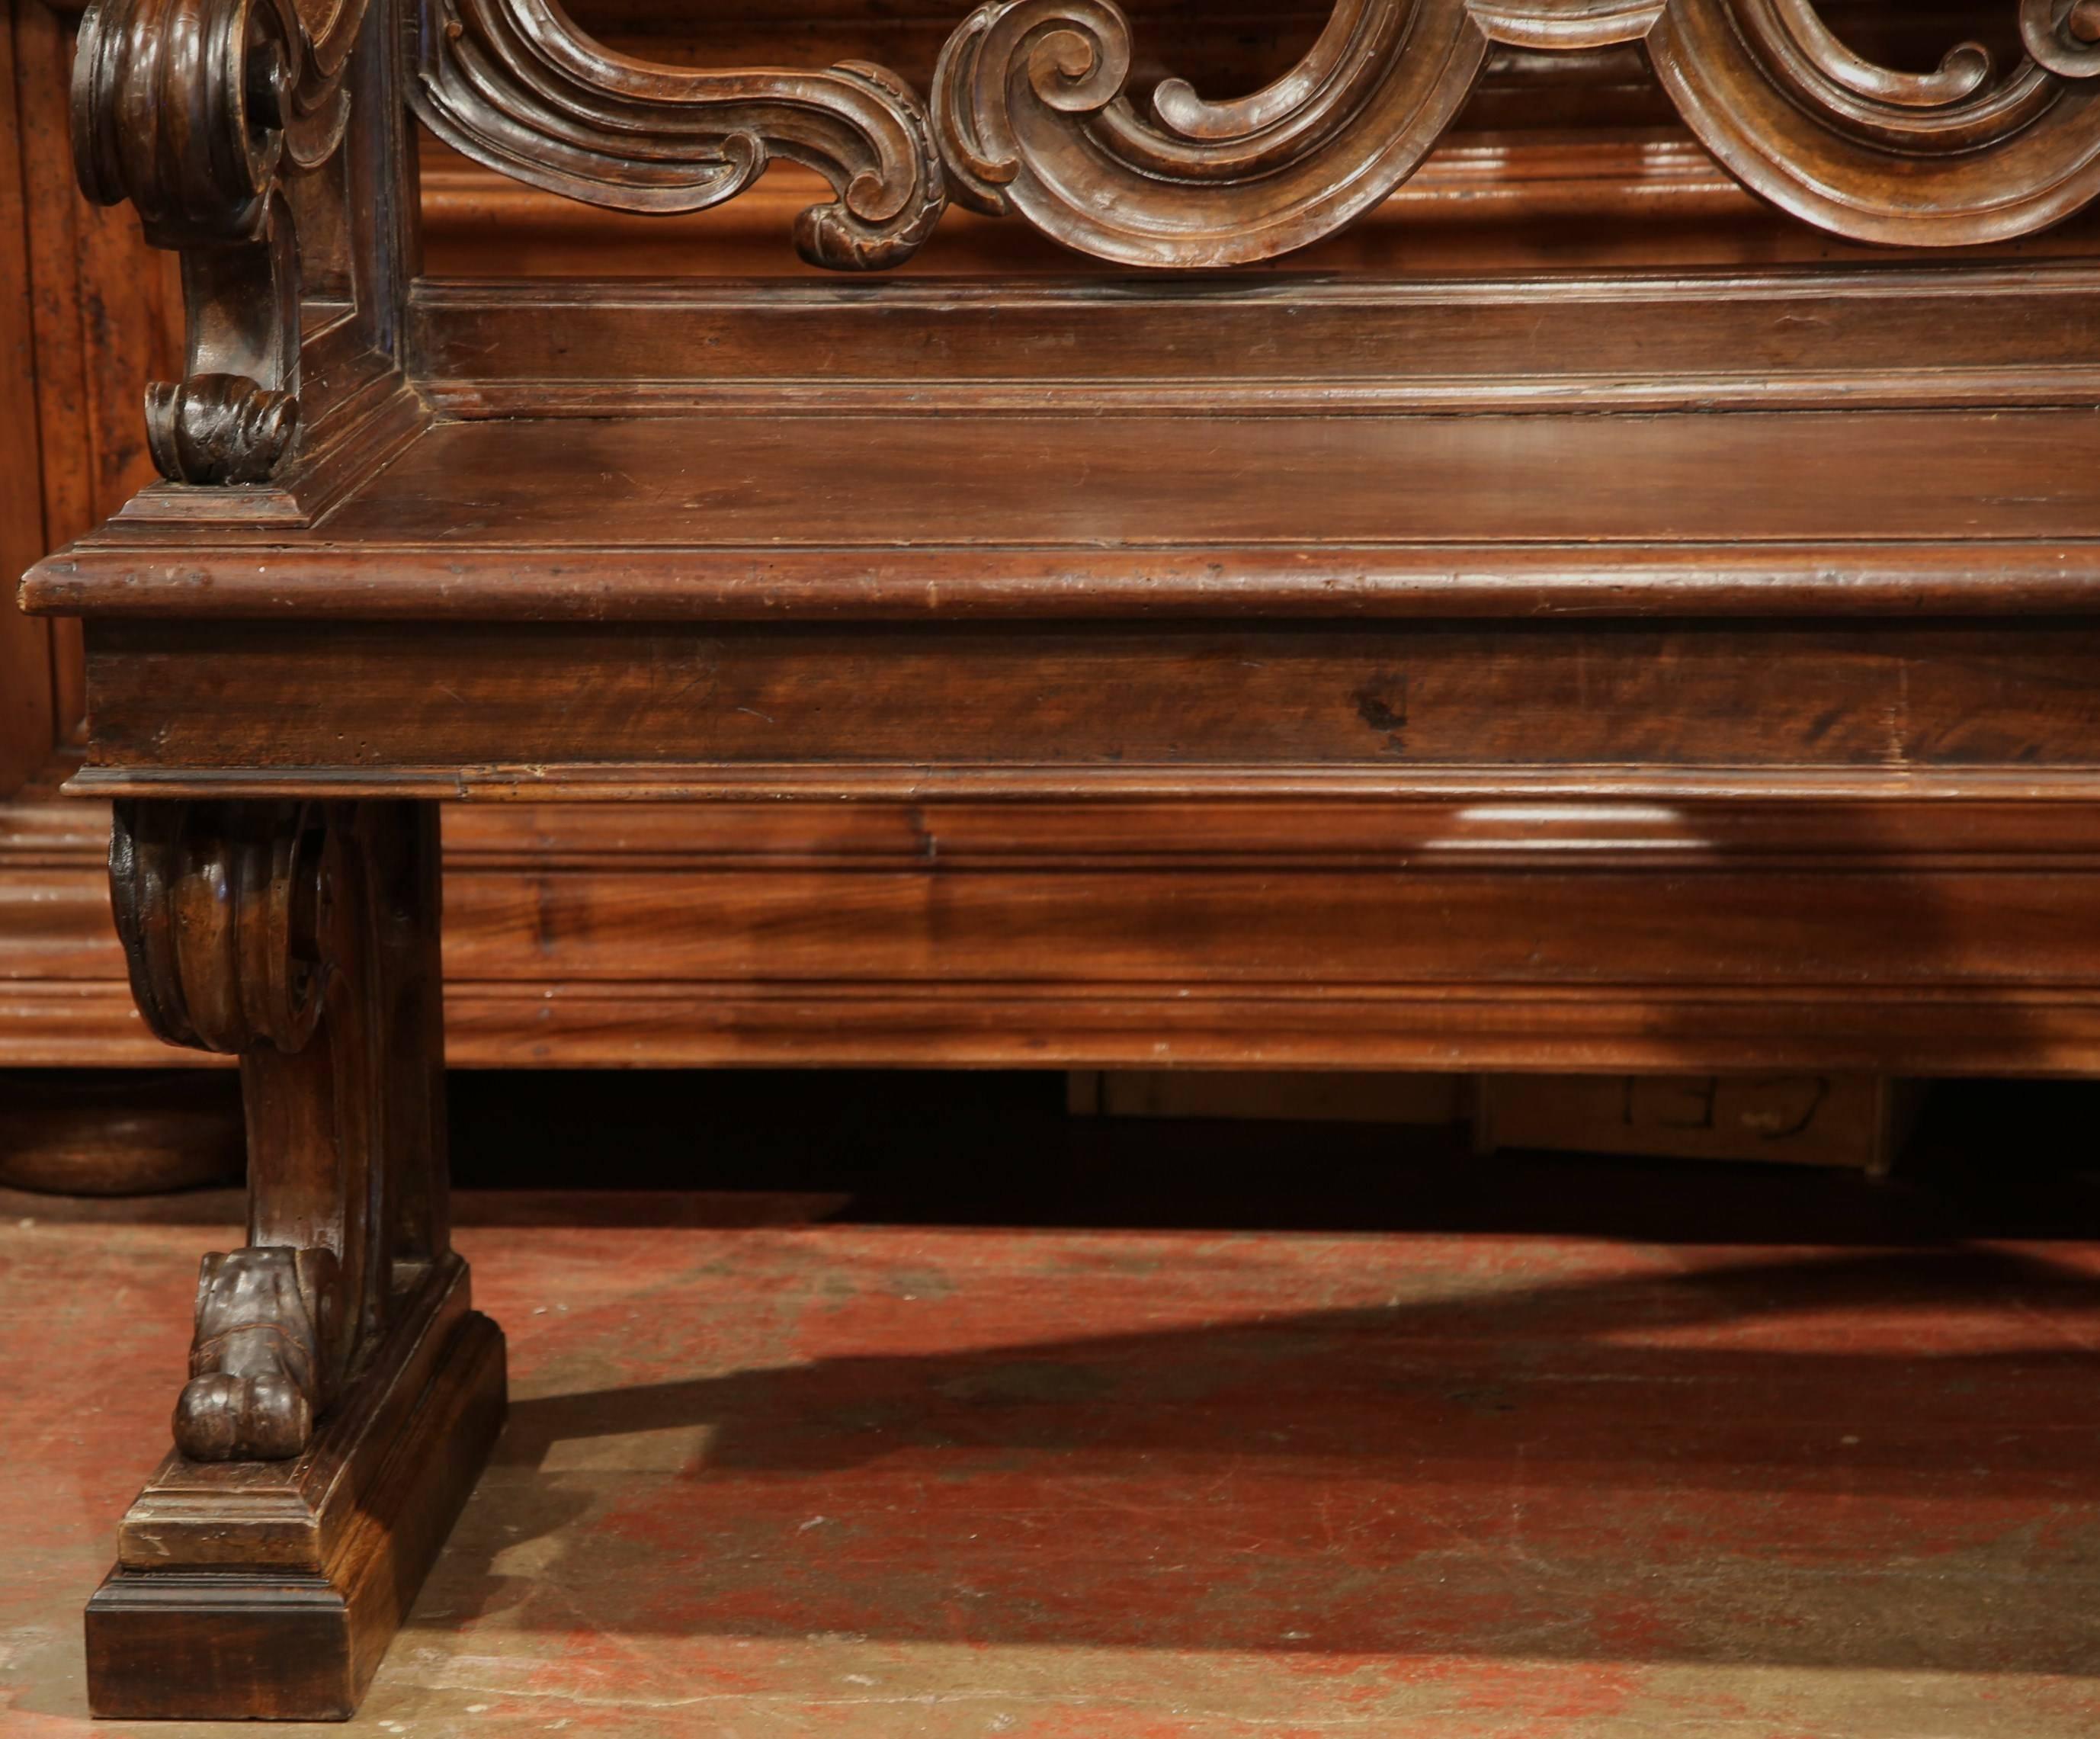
(769, 1479)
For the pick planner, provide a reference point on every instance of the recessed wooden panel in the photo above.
(1325, 930)
(26, 708)
(1874, 930)
(1122, 483)
(87, 314)
(1899, 335)
(804, 707)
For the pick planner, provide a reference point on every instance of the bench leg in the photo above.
(342, 1394)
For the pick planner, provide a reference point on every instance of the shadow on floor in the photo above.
(1876, 1459)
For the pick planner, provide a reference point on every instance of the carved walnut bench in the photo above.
(1607, 670)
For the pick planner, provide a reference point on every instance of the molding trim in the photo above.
(1933, 933)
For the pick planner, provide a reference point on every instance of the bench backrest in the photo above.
(270, 142)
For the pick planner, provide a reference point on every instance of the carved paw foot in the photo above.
(258, 1366)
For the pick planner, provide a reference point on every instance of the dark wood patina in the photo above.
(1617, 666)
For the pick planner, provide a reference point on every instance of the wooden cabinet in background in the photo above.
(87, 315)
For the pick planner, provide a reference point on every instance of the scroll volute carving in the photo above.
(224, 912)
(1031, 110)
(227, 915)
(251, 929)
(196, 111)
(515, 84)
(2062, 35)
(1960, 156)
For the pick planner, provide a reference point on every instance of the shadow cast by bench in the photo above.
(1876, 1459)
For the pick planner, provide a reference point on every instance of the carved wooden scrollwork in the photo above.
(301, 937)
(515, 84)
(226, 912)
(1029, 107)
(2062, 35)
(196, 111)
(1031, 110)
(1955, 157)
(222, 912)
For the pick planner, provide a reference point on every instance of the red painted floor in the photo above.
(782, 1478)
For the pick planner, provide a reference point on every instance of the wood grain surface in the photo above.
(1594, 661)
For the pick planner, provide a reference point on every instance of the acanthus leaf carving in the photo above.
(1031, 111)
(515, 84)
(218, 428)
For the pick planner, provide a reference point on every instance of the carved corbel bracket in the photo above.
(515, 84)
(301, 937)
(226, 915)
(1030, 109)
(224, 911)
(196, 111)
